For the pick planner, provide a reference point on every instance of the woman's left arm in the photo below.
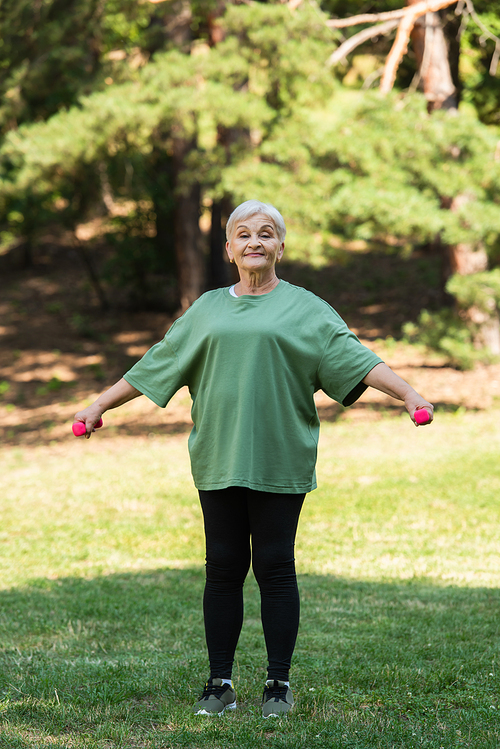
(382, 378)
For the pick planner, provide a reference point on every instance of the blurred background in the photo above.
(130, 129)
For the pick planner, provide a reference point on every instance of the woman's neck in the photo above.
(255, 284)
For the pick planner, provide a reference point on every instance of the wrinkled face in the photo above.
(255, 245)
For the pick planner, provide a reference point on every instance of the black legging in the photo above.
(233, 516)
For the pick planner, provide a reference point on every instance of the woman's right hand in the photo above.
(118, 394)
(89, 416)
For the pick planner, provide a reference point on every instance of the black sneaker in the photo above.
(216, 698)
(277, 699)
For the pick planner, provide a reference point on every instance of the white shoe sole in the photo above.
(232, 706)
(276, 715)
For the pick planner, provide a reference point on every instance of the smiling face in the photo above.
(254, 245)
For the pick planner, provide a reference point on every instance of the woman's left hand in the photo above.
(415, 404)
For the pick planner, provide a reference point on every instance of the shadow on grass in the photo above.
(93, 659)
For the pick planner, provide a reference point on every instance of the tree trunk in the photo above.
(92, 273)
(219, 273)
(187, 233)
(28, 254)
(439, 80)
(432, 53)
(217, 268)
(466, 260)
(178, 23)
(216, 32)
(162, 187)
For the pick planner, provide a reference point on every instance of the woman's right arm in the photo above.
(120, 393)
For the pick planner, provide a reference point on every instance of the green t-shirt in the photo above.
(252, 365)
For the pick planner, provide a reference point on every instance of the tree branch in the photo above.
(478, 21)
(401, 42)
(341, 23)
(488, 34)
(362, 36)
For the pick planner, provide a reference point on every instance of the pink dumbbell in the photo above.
(79, 428)
(422, 416)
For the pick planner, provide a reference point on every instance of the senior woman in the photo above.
(253, 356)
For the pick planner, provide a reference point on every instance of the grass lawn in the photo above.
(398, 554)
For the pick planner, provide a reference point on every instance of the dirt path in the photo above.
(55, 358)
(47, 386)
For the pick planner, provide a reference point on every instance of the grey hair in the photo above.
(250, 208)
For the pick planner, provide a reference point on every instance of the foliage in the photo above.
(481, 290)
(368, 168)
(177, 96)
(54, 52)
(481, 89)
(446, 333)
(457, 335)
(136, 262)
(263, 116)
(478, 87)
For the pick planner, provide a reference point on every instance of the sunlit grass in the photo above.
(398, 553)
(400, 502)
(92, 508)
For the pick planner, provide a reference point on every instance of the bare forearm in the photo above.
(384, 379)
(121, 392)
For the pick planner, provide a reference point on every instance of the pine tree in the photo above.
(238, 101)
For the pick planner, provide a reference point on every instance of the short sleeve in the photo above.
(344, 364)
(157, 374)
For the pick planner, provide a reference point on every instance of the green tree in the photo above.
(437, 50)
(170, 114)
(239, 102)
